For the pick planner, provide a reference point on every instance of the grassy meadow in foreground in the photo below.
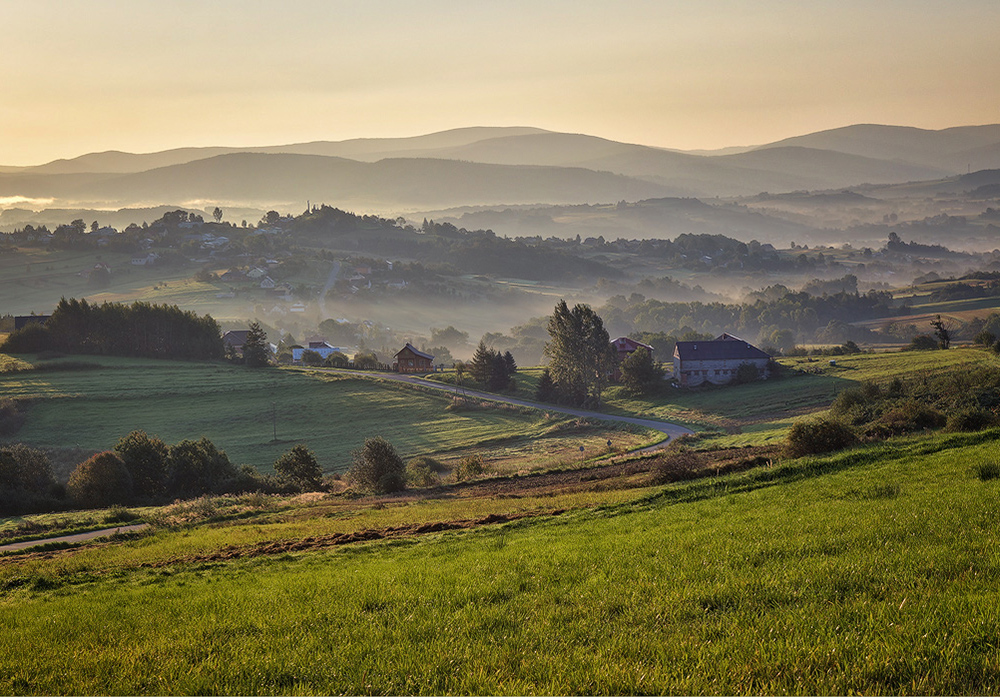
(874, 570)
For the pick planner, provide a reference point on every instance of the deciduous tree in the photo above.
(300, 465)
(378, 467)
(580, 355)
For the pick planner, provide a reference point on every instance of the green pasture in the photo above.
(241, 410)
(761, 412)
(870, 571)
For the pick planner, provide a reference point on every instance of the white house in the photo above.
(321, 347)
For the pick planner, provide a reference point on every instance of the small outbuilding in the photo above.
(716, 361)
(412, 360)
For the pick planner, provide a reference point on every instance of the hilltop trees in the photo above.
(580, 355)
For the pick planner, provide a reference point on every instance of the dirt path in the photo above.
(670, 430)
(80, 537)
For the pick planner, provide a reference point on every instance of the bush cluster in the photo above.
(818, 436)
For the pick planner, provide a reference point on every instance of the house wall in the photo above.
(717, 372)
(407, 362)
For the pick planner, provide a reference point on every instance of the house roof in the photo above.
(416, 352)
(624, 343)
(728, 349)
(235, 337)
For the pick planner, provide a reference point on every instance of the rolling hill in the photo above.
(500, 166)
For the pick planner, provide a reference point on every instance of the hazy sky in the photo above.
(86, 75)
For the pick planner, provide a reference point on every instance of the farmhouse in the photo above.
(715, 362)
(625, 347)
(318, 346)
(235, 339)
(21, 321)
(410, 360)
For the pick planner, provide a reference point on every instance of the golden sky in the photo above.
(80, 76)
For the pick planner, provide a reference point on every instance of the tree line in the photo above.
(143, 469)
(114, 329)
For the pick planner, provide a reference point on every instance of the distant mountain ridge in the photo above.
(501, 165)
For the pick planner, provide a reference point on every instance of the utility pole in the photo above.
(274, 422)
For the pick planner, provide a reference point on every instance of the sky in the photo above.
(79, 76)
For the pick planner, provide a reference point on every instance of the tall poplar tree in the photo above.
(580, 355)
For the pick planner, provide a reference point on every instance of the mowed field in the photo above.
(88, 403)
(761, 413)
(870, 571)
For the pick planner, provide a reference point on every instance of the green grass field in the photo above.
(871, 571)
(762, 412)
(239, 409)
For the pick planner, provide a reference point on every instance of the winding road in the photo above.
(670, 430)
(79, 537)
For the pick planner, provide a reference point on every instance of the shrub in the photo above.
(145, 459)
(424, 471)
(312, 358)
(337, 360)
(197, 467)
(818, 436)
(985, 338)
(923, 342)
(856, 401)
(120, 514)
(26, 481)
(745, 373)
(971, 419)
(911, 415)
(11, 417)
(366, 361)
(100, 481)
(377, 467)
(300, 466)
(640, 374)
(31, 338)
(680, 465)
(470, 466)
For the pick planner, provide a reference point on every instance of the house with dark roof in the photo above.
(411, 360)
(235, 339)
(716, 361)
(21, 321)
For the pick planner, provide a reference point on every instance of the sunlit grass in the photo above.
(873, 571)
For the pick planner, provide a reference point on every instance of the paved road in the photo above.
(80, 537)
(670, 430)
